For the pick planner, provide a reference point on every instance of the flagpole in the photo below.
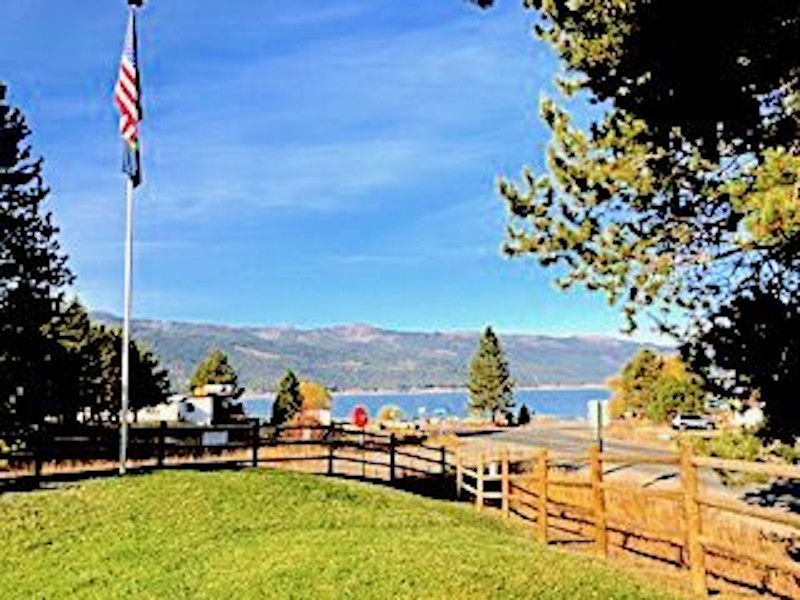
(126, 330)
(126, 320)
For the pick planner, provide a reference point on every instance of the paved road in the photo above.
(575, 439)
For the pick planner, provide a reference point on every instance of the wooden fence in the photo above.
(575, 495)
(330, 450)
(549, 490)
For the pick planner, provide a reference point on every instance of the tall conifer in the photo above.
(33, 273)
(215, 369)
(491, 388)
(288, 401)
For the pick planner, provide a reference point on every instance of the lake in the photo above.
(563, 403)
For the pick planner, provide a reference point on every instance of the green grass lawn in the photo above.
(272, 534)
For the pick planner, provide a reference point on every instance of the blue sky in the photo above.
(306, 163)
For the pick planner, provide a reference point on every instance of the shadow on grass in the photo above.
(433, 486)
(779, 494)
(565, 530)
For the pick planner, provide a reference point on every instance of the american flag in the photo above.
(127, 101)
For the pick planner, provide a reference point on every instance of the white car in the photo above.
(684, 422)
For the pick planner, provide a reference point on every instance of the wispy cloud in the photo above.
(327, 126)
(288, 146)
(323, 14)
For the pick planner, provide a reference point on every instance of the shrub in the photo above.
(390, 412)
(732, 444)
(738, 445)
(524, 416)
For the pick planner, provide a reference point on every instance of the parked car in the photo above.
(692, 421)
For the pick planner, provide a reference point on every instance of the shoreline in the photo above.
(440, 390)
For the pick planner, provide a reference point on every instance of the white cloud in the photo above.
(329, 126)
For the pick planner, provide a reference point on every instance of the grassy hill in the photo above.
(364, 357)
(266, 534)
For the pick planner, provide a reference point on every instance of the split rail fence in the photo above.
(578, 495)
(331, 450)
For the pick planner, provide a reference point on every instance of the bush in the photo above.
(524, 416)
(732, 444)
(741, 445)
(787, 452)
(390, 412)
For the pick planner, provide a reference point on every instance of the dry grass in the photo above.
(639, 431)
(644, 527)
(651, 528)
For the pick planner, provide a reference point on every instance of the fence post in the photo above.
(505, 490)
(598, 498)
(256, 435)
(37, 456)
(692, 517)
(331, 442)
(392, 457)
(443, 460)
(541, 472)
(459, 474)
(479, 471)
(162, 435)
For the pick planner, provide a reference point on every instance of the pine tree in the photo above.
(79, 373)
(33, 273)
(98, 375)
(491, 388)
(150, 383)
(288, 401)
(683, 195)
(680, 201)
(215, 369)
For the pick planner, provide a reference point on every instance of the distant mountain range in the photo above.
(364, 357)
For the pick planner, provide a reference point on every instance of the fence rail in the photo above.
(559, 494)
(530, 488)
(335, 445)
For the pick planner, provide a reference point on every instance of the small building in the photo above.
(223, 390)
(211, 405)
(181, 409)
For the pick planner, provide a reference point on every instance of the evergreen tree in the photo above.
(681, 201)
(524, 416)
(730, 77)
(102, 357)
(490, 386)
(288, 401)
(150, 383)
(79, 375)
(91, 378)
(215, 369)
(33, 273)
(753, 345)
(684, 194)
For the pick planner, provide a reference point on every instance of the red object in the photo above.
(359, 417)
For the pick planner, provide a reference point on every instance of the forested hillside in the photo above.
(364, 357)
